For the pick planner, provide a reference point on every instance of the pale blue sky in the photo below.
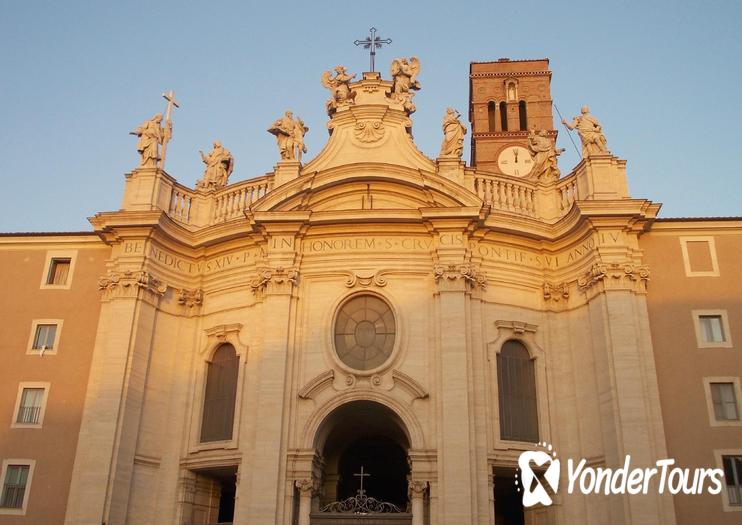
(76, 77)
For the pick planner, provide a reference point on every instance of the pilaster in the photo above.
(286, 171)
(602, 177)
(147, 189)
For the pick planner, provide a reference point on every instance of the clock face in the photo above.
(515, 161)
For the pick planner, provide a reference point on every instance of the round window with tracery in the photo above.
(364, 332)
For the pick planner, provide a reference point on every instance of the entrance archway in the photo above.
(363, 442)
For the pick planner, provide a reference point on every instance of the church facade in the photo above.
(373, 330)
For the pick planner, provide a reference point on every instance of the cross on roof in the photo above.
(373, 43)
(361, 475)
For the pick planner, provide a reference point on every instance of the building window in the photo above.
(58, 269)
(30, 405)
(722, 401)
(16, 484)
(365, 331)
(503, 116)
(522, 115)
(217, 422)
(516, 381)
(44, 338)
(712, 328)
(733, 479)
(491, 117)
(699, 256)
(725, 401)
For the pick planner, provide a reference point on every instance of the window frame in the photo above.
(719, 455)
(532, 361)
(30, 350)
(44, 400)
(697, 314)
(710, 401)
(31, 463)
(689, 272)
(51, 255)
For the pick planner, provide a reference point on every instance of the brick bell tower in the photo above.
(506, 99)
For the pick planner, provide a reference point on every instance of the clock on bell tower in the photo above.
(506, 99)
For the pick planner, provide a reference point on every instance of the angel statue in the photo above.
(453, 135)
(289, 136)
(404, 75)
(151, 136)
(339, 86)
(544, 155)
(219, 165)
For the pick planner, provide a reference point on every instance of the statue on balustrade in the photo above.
(590, 132)
(289, 134)
(404, 81)
(544, 154)
(453, 135)
(219, 165)
(339, 86)
(151, 136)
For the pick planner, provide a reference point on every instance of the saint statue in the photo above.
(404, 77)
(151, 136)
(219, 165)
(544, 155)
(453, 135)
(590, 132)
(289, 136)
(339, 86)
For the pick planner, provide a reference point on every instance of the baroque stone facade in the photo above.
(446, 264)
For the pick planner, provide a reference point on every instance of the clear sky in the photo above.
(75, 77)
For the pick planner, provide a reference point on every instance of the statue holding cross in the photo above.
(153, 136)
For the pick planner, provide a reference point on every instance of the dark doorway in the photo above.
(226, 501)
(213, 482)
(385, 470)
(508, 501)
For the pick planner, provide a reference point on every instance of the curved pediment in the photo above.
(368, 186)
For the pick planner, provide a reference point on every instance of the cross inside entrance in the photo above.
(362, 475)
(373, 43)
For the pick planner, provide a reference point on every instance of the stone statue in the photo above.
(544, 154)
(590, 132)
(299, 131)
(219, 165)
(404, 74)
(289, 136)
(453, 135)
(339, 86)
(151, 136)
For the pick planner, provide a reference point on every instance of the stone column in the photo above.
(307, 488)
(104, 461)
(417, 491)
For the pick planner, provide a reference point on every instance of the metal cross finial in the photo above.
(361, 475)
(170, 97)
(373, 43)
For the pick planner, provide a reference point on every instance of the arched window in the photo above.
(503, 116)
(522, 115)
(516, 382)
(219, 398)
(491, 117)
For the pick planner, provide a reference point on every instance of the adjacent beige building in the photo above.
(251, 352)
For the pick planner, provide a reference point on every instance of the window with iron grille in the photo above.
(516, 381)
(29, 409)
(733, 478)
(14, 487)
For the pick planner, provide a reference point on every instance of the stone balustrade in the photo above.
(507, 194)
(232, 201)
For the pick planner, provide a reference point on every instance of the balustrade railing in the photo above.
(180, 204)
(567, 192)
(232, 201)
(507, 194)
